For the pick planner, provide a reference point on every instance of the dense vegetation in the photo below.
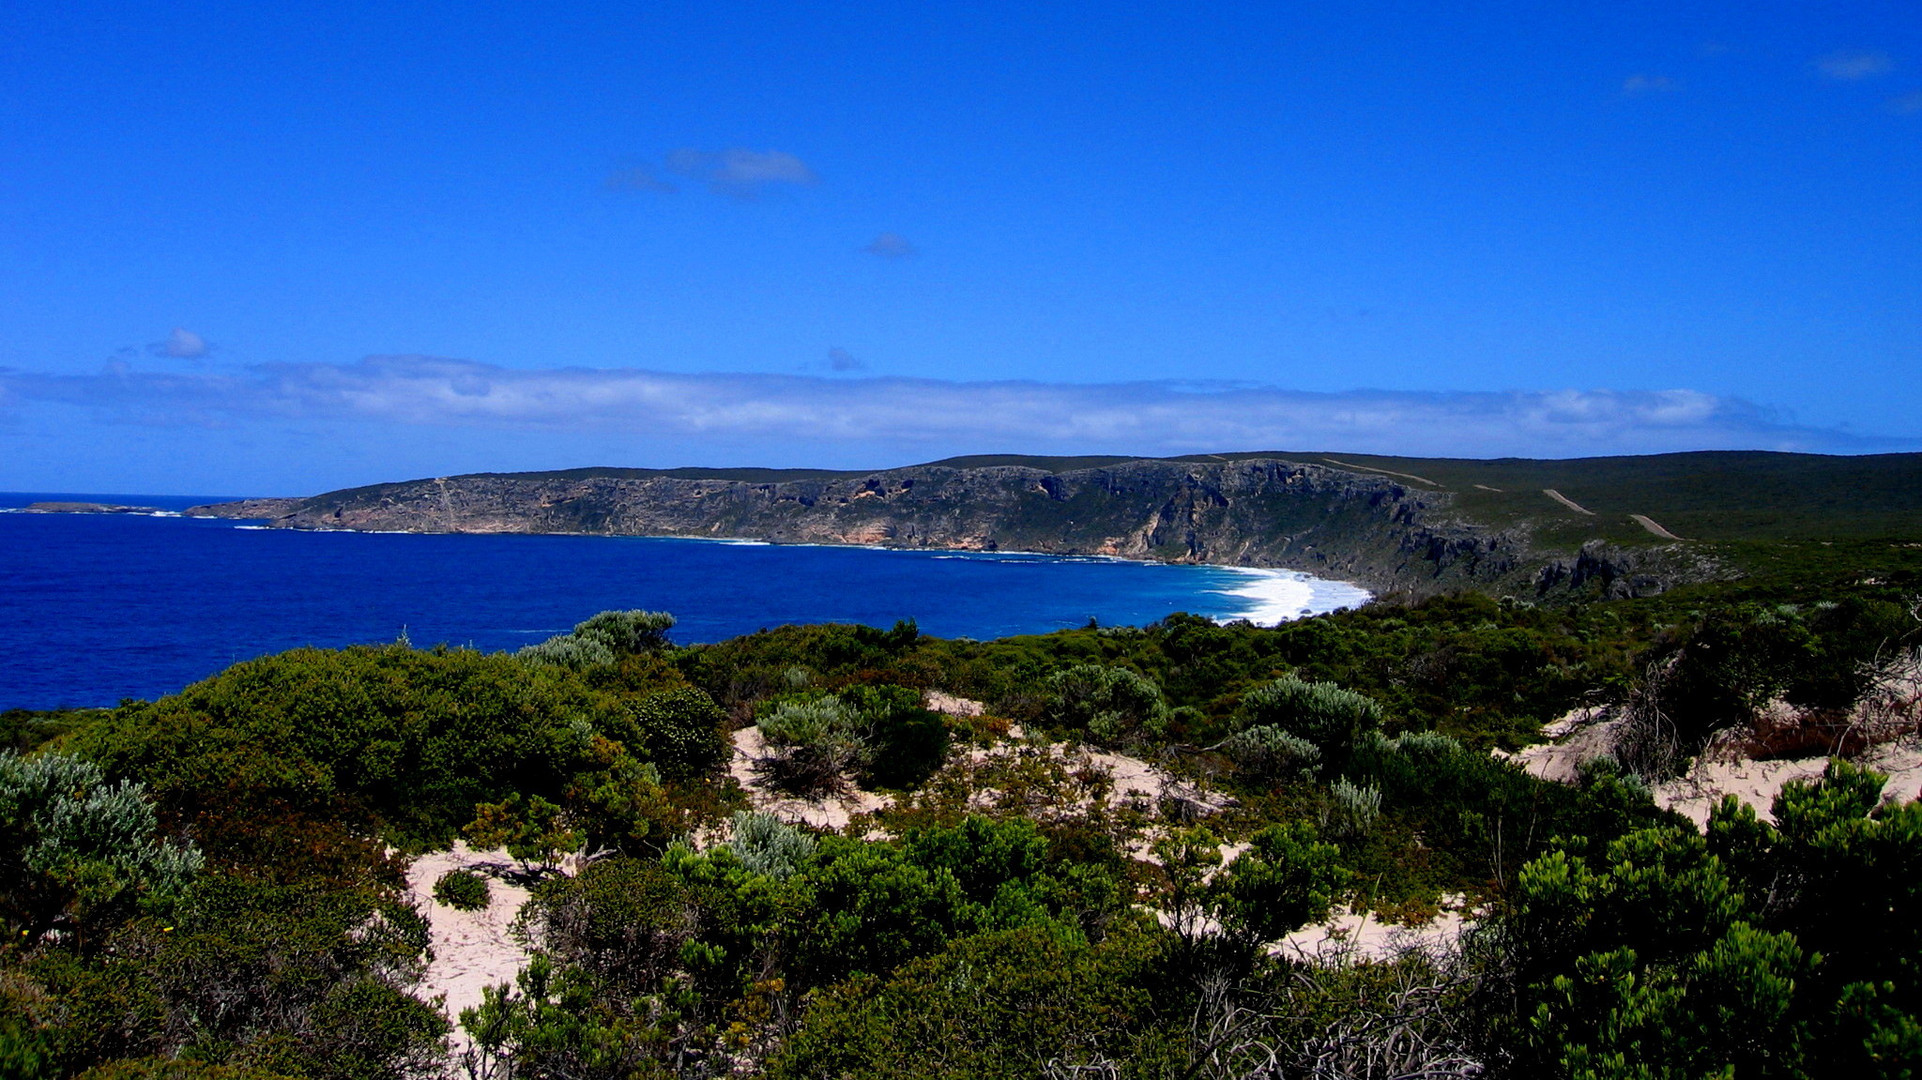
(210, 885)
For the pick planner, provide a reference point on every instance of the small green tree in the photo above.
(532, 830)
(902, 742)
(1284, 881)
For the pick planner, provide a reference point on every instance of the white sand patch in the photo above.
(1351, 936)
(472, 949)
(1580, 736)
(1757, 783)
(1137, 780)
(949, 705)
(1126, 780)
(1586, 734)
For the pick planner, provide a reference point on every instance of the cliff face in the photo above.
(1259, 512)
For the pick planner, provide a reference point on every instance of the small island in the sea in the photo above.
(56, 507)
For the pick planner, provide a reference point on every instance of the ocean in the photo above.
(95, 608)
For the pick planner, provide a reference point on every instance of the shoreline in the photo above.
(1273, 595)
(1267, 596)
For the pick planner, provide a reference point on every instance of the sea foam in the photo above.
(1277, 596)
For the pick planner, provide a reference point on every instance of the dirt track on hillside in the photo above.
(1649, 523)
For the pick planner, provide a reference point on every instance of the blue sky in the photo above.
(281, 248)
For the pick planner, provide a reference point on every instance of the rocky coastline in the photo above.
(1371, 529)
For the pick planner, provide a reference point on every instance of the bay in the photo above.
(99, 607)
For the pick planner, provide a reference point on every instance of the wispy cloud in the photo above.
(890, 246)
(742, 174)
(638, 178)
(843, 360)
(928, 415)
(1907, 104)
(1641, 85)
(181, 344)
(1854, 66)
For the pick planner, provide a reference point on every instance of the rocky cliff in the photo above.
(1265, 512)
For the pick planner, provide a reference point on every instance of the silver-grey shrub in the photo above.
(1351, 810)
(68, 836)
(1321, 712)
(767, 845)
(812, 744)
(1268, 752)
(628, 631)
(568, 651)
(603, 639)
(1427, 744)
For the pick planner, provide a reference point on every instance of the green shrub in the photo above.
(1321, 712)
(681, 728)
(1285, 880)
(415, 737)
(1003, 1005)
(815, 744)
(880, 732)
(902, 742)
(174, 1069)
(1113, 705)
(462, 890)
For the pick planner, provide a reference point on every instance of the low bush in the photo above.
(462, 890)
(1321, 712)
(604, 639)
(1114, 706)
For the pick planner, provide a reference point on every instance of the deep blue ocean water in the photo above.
(96, 607)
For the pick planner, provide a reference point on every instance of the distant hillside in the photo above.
(1623, 525)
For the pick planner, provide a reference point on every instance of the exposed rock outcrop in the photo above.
(1620, 573)
(245, 509)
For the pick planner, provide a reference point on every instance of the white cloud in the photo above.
(890, 246)
(741, 173)
(181, 344)
(1639, 85)
(1855, 66)
(794, 417)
